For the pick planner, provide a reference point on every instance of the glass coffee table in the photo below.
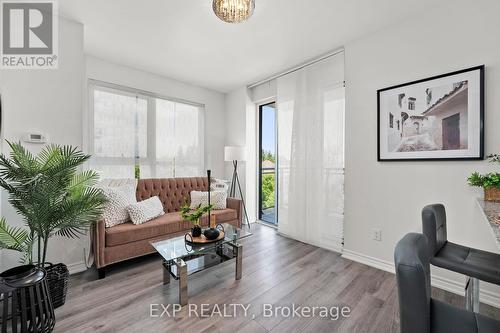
(181, 258)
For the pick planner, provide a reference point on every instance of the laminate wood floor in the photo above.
(276, 270)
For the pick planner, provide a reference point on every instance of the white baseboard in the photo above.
(77, 267)
(370, 261)
(486, 297)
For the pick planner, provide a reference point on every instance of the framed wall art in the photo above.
(438, 118)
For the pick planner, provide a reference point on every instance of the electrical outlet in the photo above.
(377, 235)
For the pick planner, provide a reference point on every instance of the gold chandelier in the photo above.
(233, 11)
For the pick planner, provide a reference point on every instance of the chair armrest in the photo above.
(236, 204)
(98, 243)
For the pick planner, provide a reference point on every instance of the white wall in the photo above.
(235, 131)
(242, 130)
(49, 101)
(237, 134)
(390, 195)
(215, 124)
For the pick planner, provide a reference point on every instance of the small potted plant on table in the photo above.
(490, 182)
(194, 216)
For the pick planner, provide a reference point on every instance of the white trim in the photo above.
(486, 297)
(370, 261)
(135, 91)
(77, 267)
(296, 68)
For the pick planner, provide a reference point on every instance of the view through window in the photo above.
(267, 177)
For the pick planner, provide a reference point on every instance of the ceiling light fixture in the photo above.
(233, 11)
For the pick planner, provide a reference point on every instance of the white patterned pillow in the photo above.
(119, 198)
(217, 198)
(145, 210)
(219, 185)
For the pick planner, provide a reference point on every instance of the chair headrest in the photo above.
(411, 250)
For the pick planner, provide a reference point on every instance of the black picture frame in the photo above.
(480, 156)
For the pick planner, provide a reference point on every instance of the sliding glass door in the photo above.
(267, 164)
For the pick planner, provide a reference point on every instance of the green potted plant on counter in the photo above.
(490, 182)
(53, 199)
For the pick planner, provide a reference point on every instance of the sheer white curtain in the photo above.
(133, 132)
(311, 153)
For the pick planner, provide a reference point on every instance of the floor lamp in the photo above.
(234, 154)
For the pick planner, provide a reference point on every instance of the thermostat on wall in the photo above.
(35, 137)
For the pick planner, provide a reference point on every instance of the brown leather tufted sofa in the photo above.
(126, 241)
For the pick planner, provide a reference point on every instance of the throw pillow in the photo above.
(219, 185)
(217, 198)
(119, 198)
(145, 210)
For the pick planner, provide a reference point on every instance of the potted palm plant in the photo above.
(54, 199)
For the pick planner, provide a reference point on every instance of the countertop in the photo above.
(491, 210)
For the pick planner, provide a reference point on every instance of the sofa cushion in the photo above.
(164, 225)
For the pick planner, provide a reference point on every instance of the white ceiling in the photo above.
(184, 40)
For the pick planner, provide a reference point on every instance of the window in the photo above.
(267, 163)
(398, 124)
(135, 134)
(391, 120)
(411, 103)
(400, 99)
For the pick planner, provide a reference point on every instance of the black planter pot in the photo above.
(25, 304)
(196, 231)
(211, 233)
(57, 280)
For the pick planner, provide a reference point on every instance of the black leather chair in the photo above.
(419, 313)
(476, 264)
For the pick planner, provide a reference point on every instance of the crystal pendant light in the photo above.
(233, 11)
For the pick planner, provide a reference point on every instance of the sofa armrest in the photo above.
(98, 243)
(236, 204)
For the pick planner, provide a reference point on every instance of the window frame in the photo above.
(150, 98)
(412, 101)
(259, 171)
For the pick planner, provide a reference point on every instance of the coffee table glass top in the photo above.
(177, 248)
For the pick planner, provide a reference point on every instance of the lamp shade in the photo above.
(234, 153)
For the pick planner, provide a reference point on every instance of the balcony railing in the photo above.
(267, 171)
